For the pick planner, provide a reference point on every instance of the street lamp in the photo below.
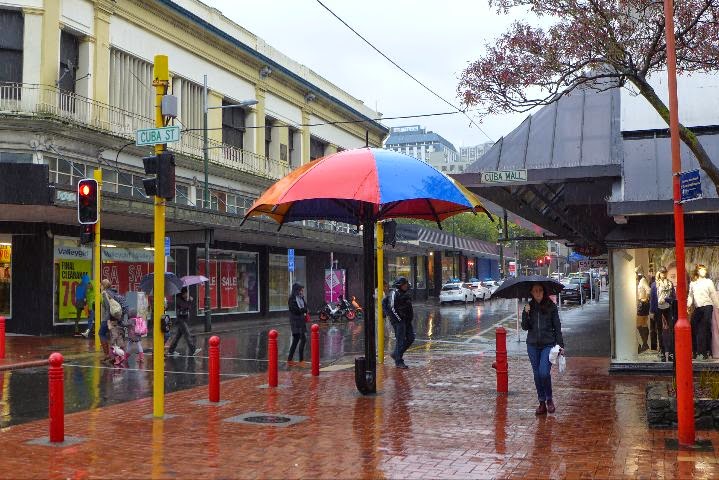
(206, 196)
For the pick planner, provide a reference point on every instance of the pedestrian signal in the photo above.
(87, 197)
(87, 235)
(163, 183)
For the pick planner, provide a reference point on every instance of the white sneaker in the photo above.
(85, 333)
(174, 354)
(197, 352)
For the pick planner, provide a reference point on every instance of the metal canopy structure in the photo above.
(572, 153)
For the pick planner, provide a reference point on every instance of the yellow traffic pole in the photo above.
(380, 292)
(97, 261)
(162, 77)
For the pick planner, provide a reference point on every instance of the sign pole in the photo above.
(682, 329)
(161, 76)
(97, 262)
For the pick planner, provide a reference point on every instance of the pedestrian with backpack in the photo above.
(398, 307)
(183, 303)
(136, 329)
(114, 319)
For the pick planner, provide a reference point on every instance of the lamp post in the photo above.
(206, 195)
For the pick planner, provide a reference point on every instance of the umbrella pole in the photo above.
(366, 367)
(519, 313)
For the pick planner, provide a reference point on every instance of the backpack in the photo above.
(140, 326)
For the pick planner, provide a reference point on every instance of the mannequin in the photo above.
(702, 296)
(643, 293)
(663, 295)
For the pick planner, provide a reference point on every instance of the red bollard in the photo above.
(272, 358)
(501, 364)
(315, 350)
(214, 367)
(57, 399)
(2, 337)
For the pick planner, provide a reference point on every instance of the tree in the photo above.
(597, 44)
(527, 250)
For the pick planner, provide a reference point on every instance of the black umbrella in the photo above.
(519, 287)
(173, 285)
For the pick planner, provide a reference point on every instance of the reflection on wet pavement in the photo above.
(89, 383)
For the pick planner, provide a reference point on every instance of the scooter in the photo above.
(330, 311)
(358, 308)
(346, 308)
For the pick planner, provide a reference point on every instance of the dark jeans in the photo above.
(404, 333)
(104, 331)
(666, 336)
(91, 324)
(542, 368)
(702, 330)
(182, 330)
(655, 335)
(300, 338)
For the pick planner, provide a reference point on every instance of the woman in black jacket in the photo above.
(298, 309)
(541, 319)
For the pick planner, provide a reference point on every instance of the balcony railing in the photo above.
(51, 102)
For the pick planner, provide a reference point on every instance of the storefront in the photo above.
(234, 282)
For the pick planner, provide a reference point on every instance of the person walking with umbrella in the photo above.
(540, 318)
(183, 303)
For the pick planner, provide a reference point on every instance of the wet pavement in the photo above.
(455, 329)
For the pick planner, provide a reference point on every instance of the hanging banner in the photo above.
(70, 274)
(228, 284)
(335, 282)
(213, 285)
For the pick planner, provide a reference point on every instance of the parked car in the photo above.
(492, 285)
(455, 292)
(479, 291)
(573, 291)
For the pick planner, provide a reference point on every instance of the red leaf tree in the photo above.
(597, 44)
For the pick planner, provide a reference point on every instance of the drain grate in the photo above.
(268, 419)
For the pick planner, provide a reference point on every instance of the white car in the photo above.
(479, 291)
(492, 285)
(455, 292)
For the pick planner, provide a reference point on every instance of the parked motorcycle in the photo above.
(358, 308)
(334, 312)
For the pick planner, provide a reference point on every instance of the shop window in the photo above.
(317, 148)
(268, 136)
(233, 282)
(69, 57)
(233, 125)
(280, 280)
(5, 276)
(399, 267)
(421, 270)
(11, 52)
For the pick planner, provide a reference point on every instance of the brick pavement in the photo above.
(440, 419)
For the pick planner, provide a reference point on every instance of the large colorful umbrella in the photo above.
(363, 186)
(354, 185)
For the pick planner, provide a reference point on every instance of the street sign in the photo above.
(595, 263)
(155, 136)
(167, 246)
(291, 259)
(691, 185)
(504, 176)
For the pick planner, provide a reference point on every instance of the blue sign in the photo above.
(291, 259)
(167, 246)
(690, 185)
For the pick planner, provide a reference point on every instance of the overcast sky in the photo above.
(433, 40)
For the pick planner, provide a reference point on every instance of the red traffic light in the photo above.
(87, 199)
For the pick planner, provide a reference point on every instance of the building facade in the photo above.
(430, 147)
(474, 153)
(76, 83)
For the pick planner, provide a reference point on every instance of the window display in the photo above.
(5, 277)
(421, 273)
(233, 282)
(657, 307)
(280, 280)
(399, 267)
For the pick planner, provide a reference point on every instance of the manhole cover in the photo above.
(267, 419)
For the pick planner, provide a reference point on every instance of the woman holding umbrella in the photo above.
(541, 319)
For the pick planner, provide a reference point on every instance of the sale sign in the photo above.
(5, 253)
(70, 274)
(228, 284)
(213, 284)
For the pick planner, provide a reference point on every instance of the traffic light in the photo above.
(163, 183)
(540, 262)
(87, 196)
(87, 235)
(548, 259)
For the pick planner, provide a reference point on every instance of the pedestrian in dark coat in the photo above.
(540, 318)
(298, 309)
(183, 304)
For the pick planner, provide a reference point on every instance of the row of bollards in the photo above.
(56, 377)
(272, 367)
